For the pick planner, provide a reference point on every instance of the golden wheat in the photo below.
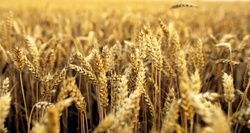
(129, 67)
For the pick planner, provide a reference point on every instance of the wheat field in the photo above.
(144, 66)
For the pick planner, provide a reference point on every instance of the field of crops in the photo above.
(72, 66)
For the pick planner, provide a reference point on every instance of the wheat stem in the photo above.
(24, 98)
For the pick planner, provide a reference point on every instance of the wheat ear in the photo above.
(184, 5)
(4, 109)
(32, 48)
(69, 88)
(50, 121)
(106, 124)
(185, 89)
(128, 111)
(169, 123)
(228, 91)
(5, 87)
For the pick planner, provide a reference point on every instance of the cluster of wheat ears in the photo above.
(121, 69)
